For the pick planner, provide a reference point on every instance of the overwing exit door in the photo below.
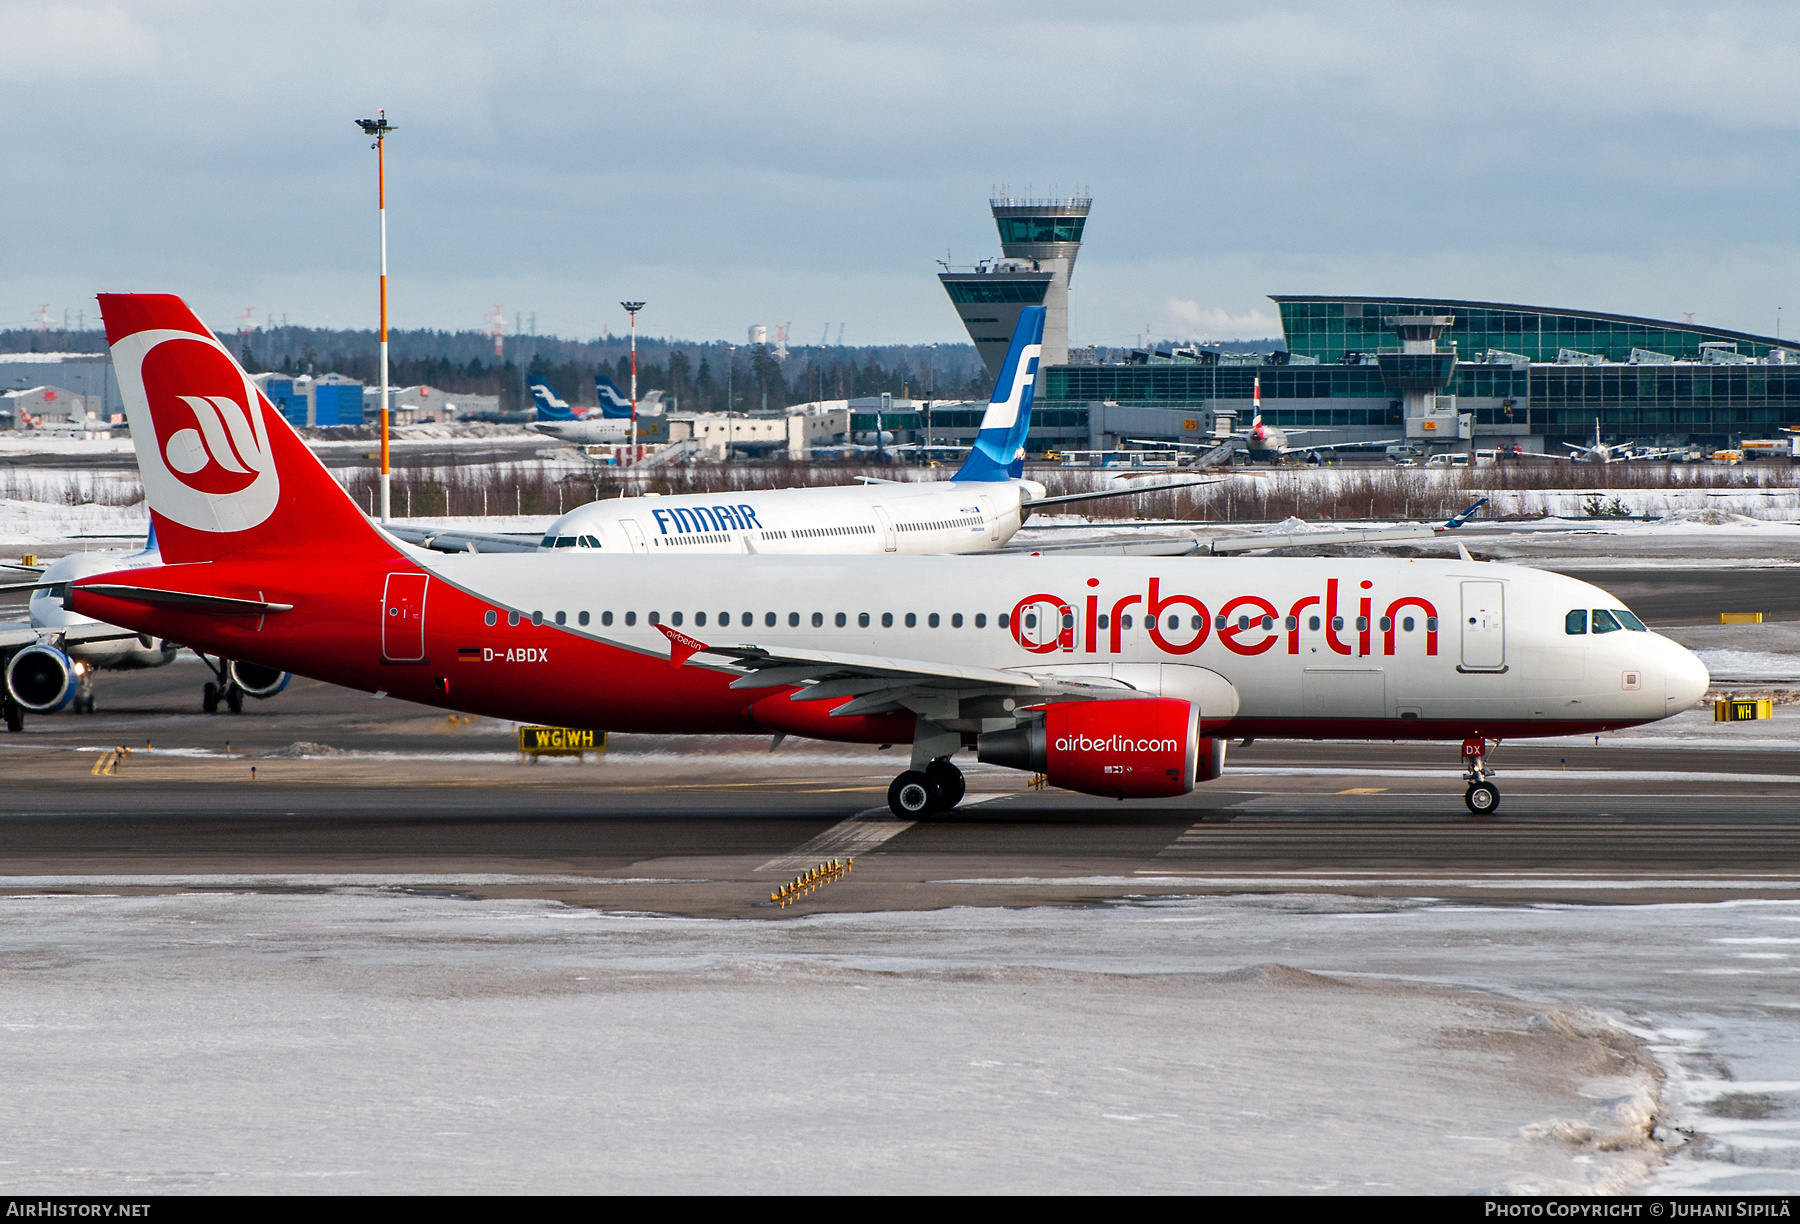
(403, 618)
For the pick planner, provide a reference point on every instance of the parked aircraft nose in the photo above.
(1685, 678)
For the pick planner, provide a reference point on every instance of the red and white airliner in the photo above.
(1115, 676)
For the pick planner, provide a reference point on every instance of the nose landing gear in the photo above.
(1483, 797)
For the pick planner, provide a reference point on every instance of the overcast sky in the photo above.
(808, 162)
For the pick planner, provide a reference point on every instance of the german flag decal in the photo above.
(468, 654)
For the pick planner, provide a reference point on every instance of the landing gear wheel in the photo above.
(950, 784)
(913, 796)
(15, 716)
(1483, 798)
(83, 703)
(209, 698)
(234, 699)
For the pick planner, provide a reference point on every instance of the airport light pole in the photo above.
(379, 128)
(632, 308)
(730, 357)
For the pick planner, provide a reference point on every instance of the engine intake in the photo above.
(1141, 748)
(255, 679)
(41, 679)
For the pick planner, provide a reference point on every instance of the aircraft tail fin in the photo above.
(550, 406)
(999, 450)
(223, 471)
(613, 405)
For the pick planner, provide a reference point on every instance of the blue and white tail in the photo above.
(999, 451)
(550, 406)
(613, 405)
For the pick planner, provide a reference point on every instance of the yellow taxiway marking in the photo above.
(1364, 790)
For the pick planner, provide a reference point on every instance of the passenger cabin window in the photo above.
(1604, 622)
(862, 620)
(1575, 623)
(582, 620)
(1005, 619)
(631, 618)
(887, 620)
(769, 619)
(912, 620)
(793, 620)
(981, 620)
(1312, 623)
(490, 618)
(606, 618)
(562, 618)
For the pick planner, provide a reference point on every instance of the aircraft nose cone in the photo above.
(1685, 679)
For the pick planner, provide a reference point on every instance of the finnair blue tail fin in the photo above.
(550, 407)
(613, 406)
(999, 451)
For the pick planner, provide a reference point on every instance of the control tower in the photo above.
(1420, 370)
(1039, 240)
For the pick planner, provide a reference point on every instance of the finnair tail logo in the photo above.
(199, 429)
(1004, 413)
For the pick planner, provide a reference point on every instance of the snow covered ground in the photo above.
(384, 1040)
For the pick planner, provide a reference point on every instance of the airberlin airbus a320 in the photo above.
(1114, 676)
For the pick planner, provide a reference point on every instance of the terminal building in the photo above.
(1440, 373)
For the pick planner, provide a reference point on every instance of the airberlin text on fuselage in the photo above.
(687, 519)
(1245, 624)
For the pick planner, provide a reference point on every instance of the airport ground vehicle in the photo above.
(1113, 676)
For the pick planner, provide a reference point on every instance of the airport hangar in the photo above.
(1444, 373)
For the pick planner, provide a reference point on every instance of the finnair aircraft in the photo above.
(51, 657)
(1113, 676)
(558, 419)
(978, 509)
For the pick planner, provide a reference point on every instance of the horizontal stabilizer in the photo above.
(217, 605)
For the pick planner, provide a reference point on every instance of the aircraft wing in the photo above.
(1161, 546)
(17, 633)
(1038, 503)
(1324, 446)
(1306, 539)
(456, 540)
(879, 684)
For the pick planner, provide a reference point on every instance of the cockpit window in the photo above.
(1629, 621)
(1604, 622)
(1575, 622)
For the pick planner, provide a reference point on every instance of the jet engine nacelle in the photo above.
(41, 679)
(1138, 748)
(255, 679)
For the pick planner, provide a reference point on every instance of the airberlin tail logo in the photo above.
(198, 424)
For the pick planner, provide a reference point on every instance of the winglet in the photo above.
(681, 646)
(1457, 520)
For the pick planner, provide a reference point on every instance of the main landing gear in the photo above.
(919, 793)
(220, 688)
(1483, 797)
